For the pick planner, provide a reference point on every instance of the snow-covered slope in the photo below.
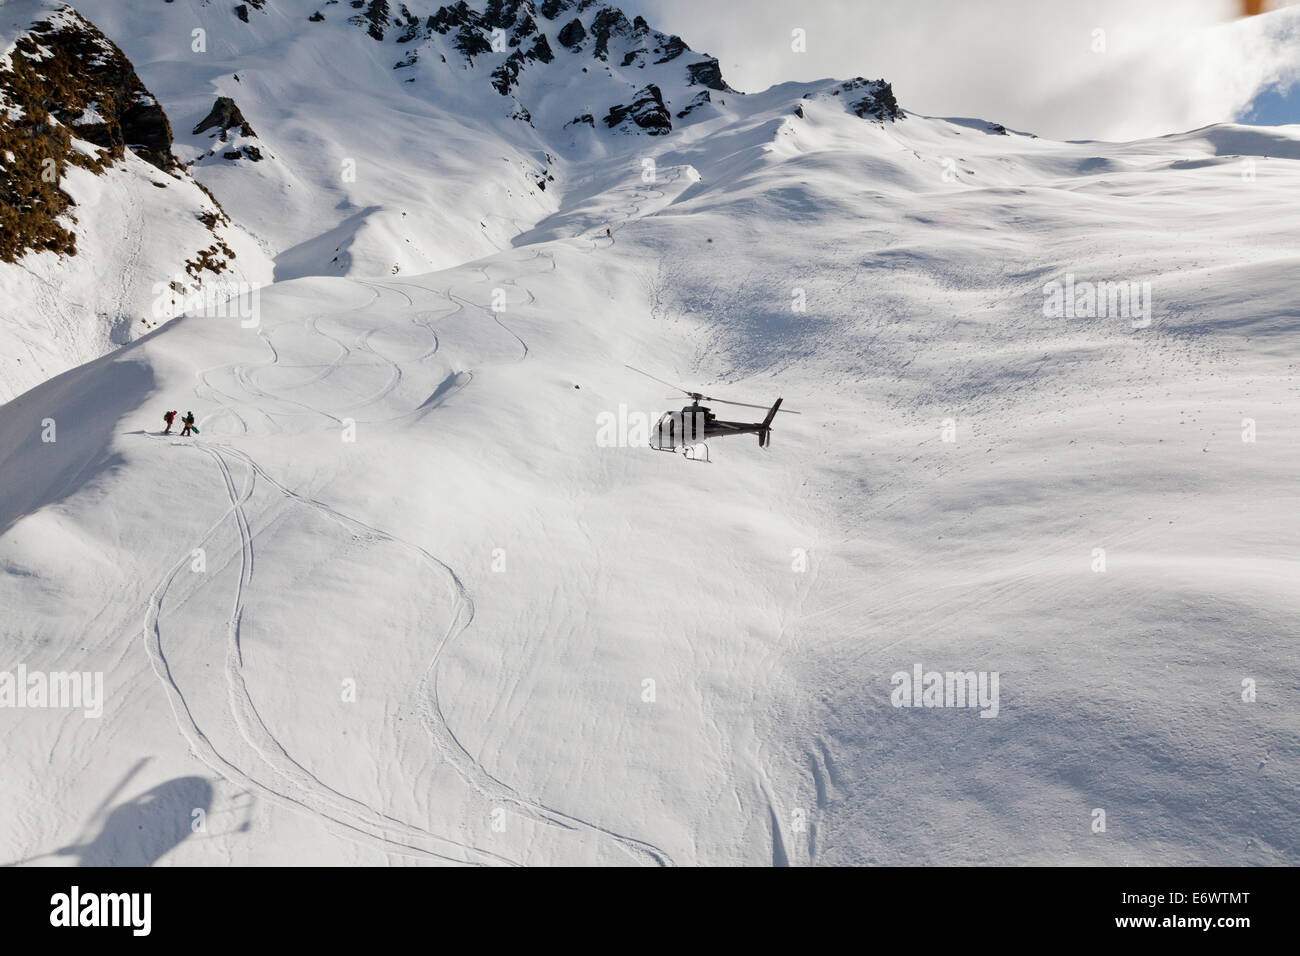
(401, 601)
(418, 138)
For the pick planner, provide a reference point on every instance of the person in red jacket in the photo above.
(169, 418)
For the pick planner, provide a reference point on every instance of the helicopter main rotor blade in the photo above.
(698, 397)
(723, 401)
(685, 392)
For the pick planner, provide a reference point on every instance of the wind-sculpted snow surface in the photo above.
(1015, 587)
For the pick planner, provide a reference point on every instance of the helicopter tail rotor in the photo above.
(765, 430)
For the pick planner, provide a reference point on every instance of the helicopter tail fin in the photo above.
(765, 432)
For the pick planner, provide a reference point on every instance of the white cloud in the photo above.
(1168, 65)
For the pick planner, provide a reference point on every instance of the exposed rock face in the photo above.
(224, 116)
(553, 8)
(872, 99)
(572, 34)
(647, 110)
(708, 73)
(608, 22)
(671, 49)
(700, 99)
(540, 50)
(507, 74)
(64, 79)
(376, 18)
(515, 34)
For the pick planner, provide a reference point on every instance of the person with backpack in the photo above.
(188, 422)
(169, 417)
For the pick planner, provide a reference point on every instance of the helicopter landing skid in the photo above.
(689, 452)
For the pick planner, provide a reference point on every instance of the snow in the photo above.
(398, 491)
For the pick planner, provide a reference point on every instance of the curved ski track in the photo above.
(294, 785)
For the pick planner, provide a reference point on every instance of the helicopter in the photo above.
(688, 429)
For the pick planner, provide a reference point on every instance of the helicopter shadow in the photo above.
(142, 830)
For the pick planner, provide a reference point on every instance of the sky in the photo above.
(1041, 66)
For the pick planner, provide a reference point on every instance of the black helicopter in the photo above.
(688, 429)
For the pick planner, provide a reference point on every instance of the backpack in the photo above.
(168, 417)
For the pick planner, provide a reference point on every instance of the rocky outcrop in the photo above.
(65, 79)
(647, 111)
(708, 73)
(572, 34)
(871, 99)
(376, 18)
(241, 9)
(670, 49)
(515, 34)
(540, 50)
(506, 75)
(223, 116)
(607, 23)
(553, 8)
(700, 99)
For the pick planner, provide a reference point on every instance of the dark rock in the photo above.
(241, 11)
(700, 99)
(52, 74)
(503, 13)
(448, 17)
(572, 34)
(584, 118)
(647, 111)
(523, 30)
(540, 50)
(411, 27)
(375, 18)
(553, 8)
(316, 17)
(878, 103)
(672, 48)
(608, 22)
(708, 73)
(223, 116)
(505, 76)
(470, 42)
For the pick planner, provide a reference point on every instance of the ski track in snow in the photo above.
(296, 786)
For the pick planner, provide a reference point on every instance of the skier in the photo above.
(188, 422)
(608, 234)
(169, 418)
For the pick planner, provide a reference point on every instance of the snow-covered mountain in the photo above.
(102, 227)
(419, 592)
